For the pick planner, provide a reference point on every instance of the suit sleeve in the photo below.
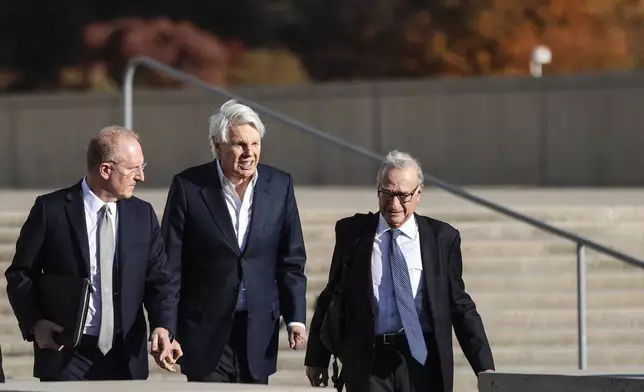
(468, 325)
(291, 281)
(24, 269)
(162, 283)
(317, 355)
(172, 226)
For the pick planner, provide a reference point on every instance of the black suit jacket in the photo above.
(201, 242)
(54, 240)
(449, 304)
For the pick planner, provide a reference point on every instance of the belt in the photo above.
(390, 339)
(393, 339)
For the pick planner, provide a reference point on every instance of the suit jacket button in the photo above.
(236, 289)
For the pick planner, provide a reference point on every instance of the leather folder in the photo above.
(64, 300)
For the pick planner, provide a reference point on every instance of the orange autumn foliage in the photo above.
(497, 37)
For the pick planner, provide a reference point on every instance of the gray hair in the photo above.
(231, 113)
(103, 146)
(399, 160)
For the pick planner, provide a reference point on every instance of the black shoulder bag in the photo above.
(333, 325)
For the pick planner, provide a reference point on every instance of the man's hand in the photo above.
(318, 376)
(162, 349)
(44, 331)
(296, 336)
(485, 371)
(177, 351)
(170, 361)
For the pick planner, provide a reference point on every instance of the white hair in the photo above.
(231, 113)
(399, 160)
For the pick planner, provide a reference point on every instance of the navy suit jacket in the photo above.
(201, 243)
(54, 240)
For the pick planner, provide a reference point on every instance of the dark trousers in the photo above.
(395, 370)
(88, 363)
(233, 364)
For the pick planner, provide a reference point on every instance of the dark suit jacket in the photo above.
(2, 378)
(201, 242)
(53, 240)
(449, 304)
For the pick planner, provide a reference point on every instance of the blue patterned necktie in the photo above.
(405, 300)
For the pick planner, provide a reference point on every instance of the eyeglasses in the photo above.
(402, 197)
(130, 172)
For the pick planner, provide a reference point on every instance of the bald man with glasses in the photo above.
(98, 230)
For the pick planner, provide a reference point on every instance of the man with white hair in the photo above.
(397, 290)
(233, 230)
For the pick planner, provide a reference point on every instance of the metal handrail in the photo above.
(582, 242)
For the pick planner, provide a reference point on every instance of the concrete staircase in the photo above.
(523, 281)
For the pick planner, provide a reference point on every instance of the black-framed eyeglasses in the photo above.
(402, 197)
(136, 170)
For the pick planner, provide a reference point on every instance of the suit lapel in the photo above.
(214, 199)
(75, 210)
(261, 205)
(126, 233)
(429, 256)
(362, 257)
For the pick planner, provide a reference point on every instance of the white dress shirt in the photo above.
(387, 317)
(93, 216)
(240, 210)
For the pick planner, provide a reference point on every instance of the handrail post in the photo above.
(581, 307)
(128, 87)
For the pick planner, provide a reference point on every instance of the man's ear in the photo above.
(104, 170)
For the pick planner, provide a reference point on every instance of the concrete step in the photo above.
(527, 355)
(498, 248)
(315, 232)
(13, 218)
(557, 213)
(318, 265)
(20, 369)
(508, 320)
(527, 283)
(509, 230)
(490, 292)
(14, 346)
(535, 282)
(551, 213)
(552, 264)
(597, 336)
(565, 300)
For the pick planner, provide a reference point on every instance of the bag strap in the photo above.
(345, 260)
(338, 382)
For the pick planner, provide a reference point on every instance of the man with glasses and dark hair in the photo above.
(402, 292)
(96, 229)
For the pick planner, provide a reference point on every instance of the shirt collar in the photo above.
(225, 182)
(409, 228)
(93, 203)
